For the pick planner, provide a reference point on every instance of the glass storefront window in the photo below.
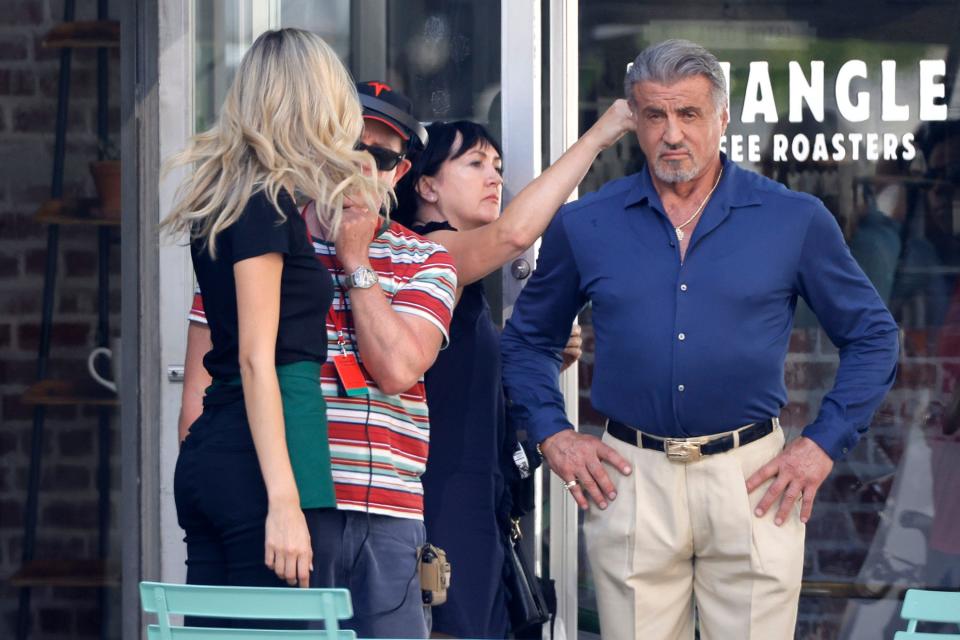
(445, 56)
(225, 29)
(887, 518)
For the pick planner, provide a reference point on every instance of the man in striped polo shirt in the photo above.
(393, 301)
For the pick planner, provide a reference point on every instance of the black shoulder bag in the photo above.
(526, 603)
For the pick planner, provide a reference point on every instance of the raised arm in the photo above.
(396, 346)
(288, 550)
(481, 251)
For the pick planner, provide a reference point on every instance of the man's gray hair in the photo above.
(673, 60)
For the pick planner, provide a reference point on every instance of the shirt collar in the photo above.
(730, 192)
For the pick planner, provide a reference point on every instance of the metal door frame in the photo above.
(521, 77)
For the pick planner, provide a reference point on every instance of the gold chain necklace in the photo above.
(679, 229)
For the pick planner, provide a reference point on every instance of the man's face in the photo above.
(377, 134)
(678, 127)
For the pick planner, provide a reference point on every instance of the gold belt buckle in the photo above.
(687, 450)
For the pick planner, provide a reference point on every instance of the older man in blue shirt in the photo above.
(693, 268)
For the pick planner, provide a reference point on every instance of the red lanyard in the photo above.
(338, 320)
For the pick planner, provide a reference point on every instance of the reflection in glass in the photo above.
(446, 57)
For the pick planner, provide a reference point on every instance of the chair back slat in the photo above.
(163, 616)
(216, 633)
(932, 606)
(913, 635)
(260, 603)
(245, 603)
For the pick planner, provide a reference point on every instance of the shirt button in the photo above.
(683, 287)
(845, 449)
(680, 387)
(682, 336)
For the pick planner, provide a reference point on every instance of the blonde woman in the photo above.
(258, 454)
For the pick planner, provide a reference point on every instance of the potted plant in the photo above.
(106, 178)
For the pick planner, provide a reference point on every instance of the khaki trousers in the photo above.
(684, 534)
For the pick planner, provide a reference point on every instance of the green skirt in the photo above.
(305, 422)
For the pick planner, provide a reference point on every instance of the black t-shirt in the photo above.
(306, 289)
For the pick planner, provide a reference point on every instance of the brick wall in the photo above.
(68, 497)
(845, 536)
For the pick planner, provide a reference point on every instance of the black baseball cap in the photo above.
(381, 103)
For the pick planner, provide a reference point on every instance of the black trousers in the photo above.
(222, 506)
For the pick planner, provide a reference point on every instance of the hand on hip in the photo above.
(798, 472)
(577, 458)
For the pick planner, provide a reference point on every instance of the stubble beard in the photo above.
(675, 174)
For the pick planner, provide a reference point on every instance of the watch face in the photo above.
(363, 278)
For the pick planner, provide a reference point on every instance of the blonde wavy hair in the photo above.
(289, 121)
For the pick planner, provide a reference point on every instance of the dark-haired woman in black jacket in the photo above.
(452, 196)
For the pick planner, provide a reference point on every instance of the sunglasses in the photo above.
(385, 159)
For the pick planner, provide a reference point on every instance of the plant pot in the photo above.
(106, 178)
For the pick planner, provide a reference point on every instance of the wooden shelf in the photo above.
(69, 392)
(84, 211)
(89, 34)
(848, 590)
(66, 573)
(911, 180)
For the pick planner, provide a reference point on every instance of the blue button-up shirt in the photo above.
(697, 347)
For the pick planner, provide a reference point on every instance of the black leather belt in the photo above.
(690, 449)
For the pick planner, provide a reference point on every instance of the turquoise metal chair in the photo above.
(929, 606)
(248, 603)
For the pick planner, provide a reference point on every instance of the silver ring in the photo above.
(571, 484)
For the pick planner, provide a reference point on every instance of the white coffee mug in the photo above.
(114, 354)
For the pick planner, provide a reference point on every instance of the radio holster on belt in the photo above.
(434, 573)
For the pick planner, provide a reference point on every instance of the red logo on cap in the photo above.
(378, 87)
